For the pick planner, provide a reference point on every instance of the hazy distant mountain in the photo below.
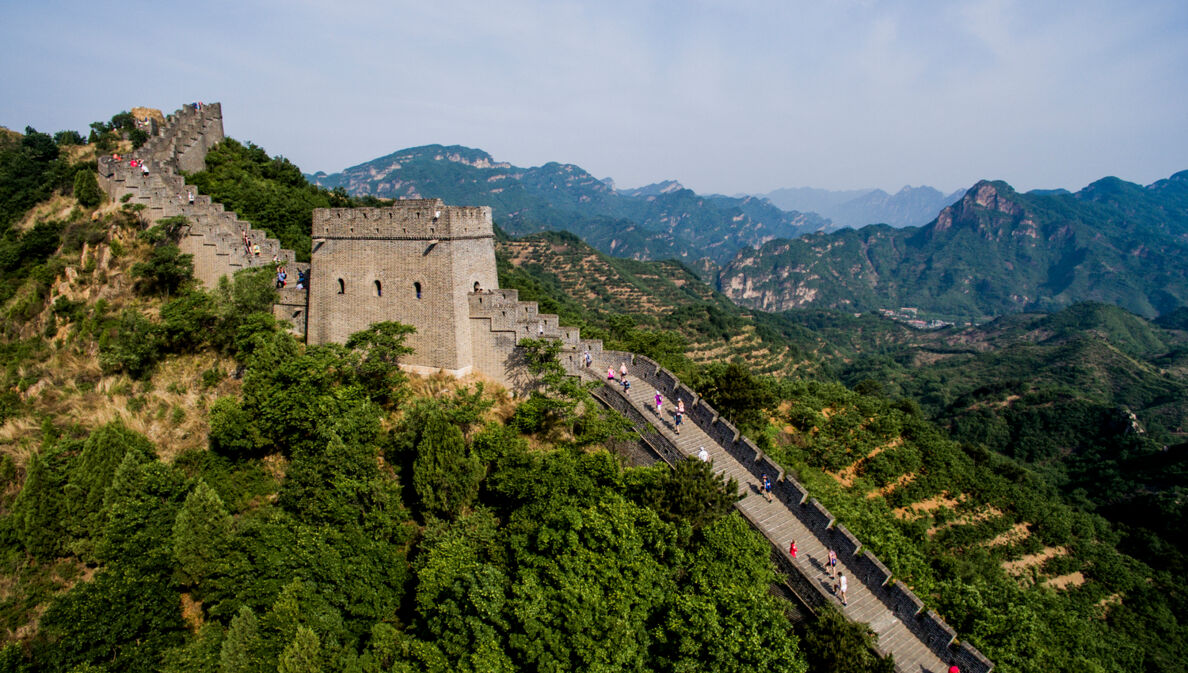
(813, 200)
(654, 189)
(659, 221)
(993, 252)
(909, 207)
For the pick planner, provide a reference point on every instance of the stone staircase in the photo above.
(214, 235)
(524, 319)
(919, 639)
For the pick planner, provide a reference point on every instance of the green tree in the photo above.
(39, 512)
(86, 189)
(302, 655)
(378, 350)
(165, 272)
(446, 473)
(200, 535)
(722, 618)
(834, 644)
(91, 476)
(241, 646)
(135, 347)
(737, 393)
(199, 654)
(691, 492)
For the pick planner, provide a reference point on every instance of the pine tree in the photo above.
(446, 474)
(303, 655)
(86, 189)
(95, 469)
(200, 534)
(39, 510)
(241, 646)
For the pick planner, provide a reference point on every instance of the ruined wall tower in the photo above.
(415, 262)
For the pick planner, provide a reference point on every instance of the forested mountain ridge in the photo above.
(648, 224)
(993, 252)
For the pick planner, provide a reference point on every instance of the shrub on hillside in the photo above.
(165, 272)
(86, 189)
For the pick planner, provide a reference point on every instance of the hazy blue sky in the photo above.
(725, 96)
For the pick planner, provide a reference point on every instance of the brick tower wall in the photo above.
(368, 262)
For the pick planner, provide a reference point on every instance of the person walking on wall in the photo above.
(588, 359)
(623, 369)
(792, 549)
(703, 455)
(677, 417)
(765, 487)
(610, 373)
(659, 404)
(832, 562)
(841, 588)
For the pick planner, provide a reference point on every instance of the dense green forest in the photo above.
(186, 487)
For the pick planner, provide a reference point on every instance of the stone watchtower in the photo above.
(415, 262)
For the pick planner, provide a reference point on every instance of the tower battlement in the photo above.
(412, 219)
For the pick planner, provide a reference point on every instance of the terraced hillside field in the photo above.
(589, 289)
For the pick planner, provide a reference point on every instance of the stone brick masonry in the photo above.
(418, 262)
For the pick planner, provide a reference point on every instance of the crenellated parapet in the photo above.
(413, 219)
(214, 236)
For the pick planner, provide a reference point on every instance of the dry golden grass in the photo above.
(918, 509)
(1073, 579)
(191, 611)
(75, 393)
(1020, 566)
(1017, 533)
(58, 207)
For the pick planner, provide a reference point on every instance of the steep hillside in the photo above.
(670, 222)
(993, 252)
(1093, 398)
(605, 295)
(186, 487)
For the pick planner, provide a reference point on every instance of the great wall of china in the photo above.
(433, 266)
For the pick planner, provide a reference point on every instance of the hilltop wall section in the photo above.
(432, 266)
(416, 262)
(186, 137)
(214, 236)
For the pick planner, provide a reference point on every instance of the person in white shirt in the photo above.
(703, 455)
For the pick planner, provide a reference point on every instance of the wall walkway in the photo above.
(214, 235)
(919, 639)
